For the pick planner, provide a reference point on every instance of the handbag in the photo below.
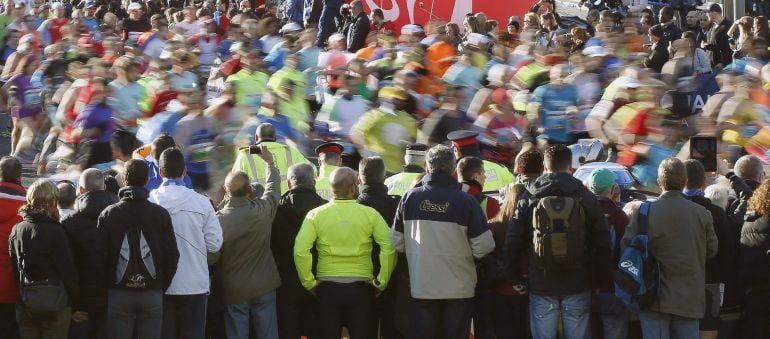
(43, 296)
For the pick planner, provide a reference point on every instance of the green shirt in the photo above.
(387, 135)
(342, 233)
(255, 168)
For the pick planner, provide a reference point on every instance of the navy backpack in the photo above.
(637, 276)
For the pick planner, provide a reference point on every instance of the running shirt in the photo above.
(553, 110)
(249, 87)
(54, 29)
(387, 134)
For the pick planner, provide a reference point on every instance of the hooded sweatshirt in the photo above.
(598, 243)
(197, 232)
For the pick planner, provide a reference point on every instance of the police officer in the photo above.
(329, 159)
(414, 160)
(284, 157)
(472, 176)
(465, 144)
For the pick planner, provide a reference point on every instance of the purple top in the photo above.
(97, 116)
(29, 99)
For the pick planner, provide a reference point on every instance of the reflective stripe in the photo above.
(253, 167)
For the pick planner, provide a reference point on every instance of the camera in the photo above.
(255, 149)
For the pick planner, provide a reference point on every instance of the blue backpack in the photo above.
(637, 276)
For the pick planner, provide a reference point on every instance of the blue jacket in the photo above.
(441, 229)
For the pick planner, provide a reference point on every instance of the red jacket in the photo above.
(12, 196)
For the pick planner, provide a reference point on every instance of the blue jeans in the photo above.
(613, 316)
(184, 316)
(573, 310)
(664, 326)
(442, 318)
(258, 312)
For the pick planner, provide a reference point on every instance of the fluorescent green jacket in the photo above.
(342, 232)
(400, 183)
(497, 176)
(254, 166)
(249, 87)
(322, 185)
(387, 135)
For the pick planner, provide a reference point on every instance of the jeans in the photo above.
(93, 328)
(258, 312)
(327, 25)
(8, 327)
(656, 325)
(49, 326)
(184, 316)
(442, 318)
(483, 327)
(134, 311)
(349, 304)
(613, 316)
(573, 310)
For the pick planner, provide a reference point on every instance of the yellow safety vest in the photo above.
(284, 156)
(497, 176)
(322, 185)
(400, 183)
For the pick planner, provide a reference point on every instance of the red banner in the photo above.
(402, 12)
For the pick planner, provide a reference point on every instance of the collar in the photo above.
(238, 201)
(413, 169)
(343, 201)
(471, 187)
(374, 189)
(439, 179)
(694, 193)
(173, 182)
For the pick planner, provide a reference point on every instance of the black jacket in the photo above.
(155, 223)
(718, 43)
(743, 192)
(376, 196)
(754, 262)
(81, 232)
(564, 282)
(288, 219)
(41, 243)
(658, 57)
(722, 266)
(356, 32)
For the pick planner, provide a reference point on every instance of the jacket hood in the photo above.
(133, 193)
(91, 204)
(174, 198)
(554, 184)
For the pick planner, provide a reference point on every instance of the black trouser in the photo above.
(351, 304)
(442, 318)
(756, 319)
(93, 328)
(8, 327)
(297, 312)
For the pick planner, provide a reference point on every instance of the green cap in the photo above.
(601, 180)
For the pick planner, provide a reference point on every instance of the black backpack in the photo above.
(136, 268)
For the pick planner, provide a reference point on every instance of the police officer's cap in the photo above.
(329, 147)
(462, 138)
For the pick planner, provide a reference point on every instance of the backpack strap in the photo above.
(642, 219)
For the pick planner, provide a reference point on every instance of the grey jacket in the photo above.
(247, 267)
(681, 238)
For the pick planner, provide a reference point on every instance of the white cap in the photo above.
(336, 37)
(134, 6)
(477, 39)
(57, 5)
(595, 51)
(411, 29)
(291, 27)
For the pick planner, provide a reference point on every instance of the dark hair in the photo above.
(135, 172)
(372, 170)
(469, 166)
(65, 194)
(111, 184)
(530, 163)
(161, 144)
(124, 141)
(172, 163)
(696, 174)
(10, 169)
(558, 158)
(657, 31)
(648, 19)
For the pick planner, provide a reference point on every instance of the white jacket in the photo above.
(197, 231)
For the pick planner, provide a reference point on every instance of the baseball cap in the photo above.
(715, 8)
(336, 37)
(90, 4)
(291, 28)
(601, 180)
(392, 93)
(134, 6)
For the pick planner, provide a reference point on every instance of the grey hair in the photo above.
(749, 167)
(719, 195)
(440, 159)
(92, 179)
(672, 174)
(301, 175)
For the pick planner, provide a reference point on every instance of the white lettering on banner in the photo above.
(389, 14)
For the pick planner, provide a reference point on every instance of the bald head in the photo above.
(343, 181)
(91, 180)
(265, 131)
(237, 184)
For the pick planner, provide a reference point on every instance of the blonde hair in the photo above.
(41, 197)
(760, 200)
